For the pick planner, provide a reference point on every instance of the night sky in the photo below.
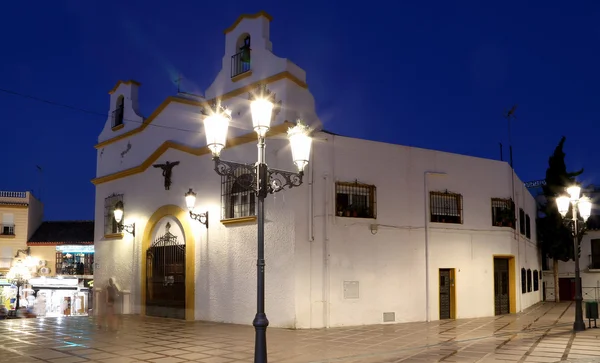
(431, 74)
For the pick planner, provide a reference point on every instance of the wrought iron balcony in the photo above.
(117, 117)
(7, 229)
(240, 63)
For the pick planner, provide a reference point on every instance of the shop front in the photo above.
(59, 296)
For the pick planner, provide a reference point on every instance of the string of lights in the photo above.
(91, 112)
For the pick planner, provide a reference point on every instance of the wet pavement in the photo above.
(542, 333)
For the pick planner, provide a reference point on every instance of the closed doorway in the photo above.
(447, 294)
(501, 287)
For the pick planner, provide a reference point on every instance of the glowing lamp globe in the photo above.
(301, 143)
(262, 112)
(585, 207)
(562, 203)
(574, 192)
(215, 126)
(118, 212)
(190, 199)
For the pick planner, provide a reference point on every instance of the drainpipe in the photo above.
(426, 208)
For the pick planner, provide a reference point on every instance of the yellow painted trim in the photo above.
(238, 220)
(244, 139)
(452, 293)
(7, 236)
(248, 16)
(113, 236)
(512, 284)
(118, 127)
(241, 76)
(131, 81)
(226, 96)
(190, 256)
(16, 206)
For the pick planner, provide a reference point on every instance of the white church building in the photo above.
(377, 233)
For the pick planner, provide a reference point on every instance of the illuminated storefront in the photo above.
(75, 260)
(60, 296)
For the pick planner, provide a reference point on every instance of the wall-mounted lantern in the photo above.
(190, 201)
(118, 212)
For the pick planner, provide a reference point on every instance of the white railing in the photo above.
(4, 194)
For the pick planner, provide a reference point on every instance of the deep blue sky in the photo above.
(432, 74)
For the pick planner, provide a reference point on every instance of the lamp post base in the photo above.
(260, 344)
(579, 326)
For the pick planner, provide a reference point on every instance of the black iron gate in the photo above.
(165, 277)
(501, 294)
(445, 307)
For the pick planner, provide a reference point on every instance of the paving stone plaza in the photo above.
(541, 334)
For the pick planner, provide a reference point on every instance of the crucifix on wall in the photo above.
(167, 169)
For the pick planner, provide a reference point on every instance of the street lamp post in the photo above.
(18, 275)
(583, 205)
(259, 178)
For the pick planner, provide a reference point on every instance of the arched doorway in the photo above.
(168, 265)
(165, 275)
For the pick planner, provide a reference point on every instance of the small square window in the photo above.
(238, 195)
(446, 207)
(355, 200)
(110, 224)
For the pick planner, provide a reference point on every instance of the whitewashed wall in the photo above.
(389, 266)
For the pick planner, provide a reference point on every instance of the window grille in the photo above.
(355, 200)
(110, 224)
(527, 226)
(238, 198)
(529, 280)
(446, 207)
(595, 255)
(503, 212)
(523, 281)
(536, 280)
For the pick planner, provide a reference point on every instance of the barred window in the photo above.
(529, 280)
(527, 226)
(110, 224)
(503, 212)
(523, 281)
(446, 207)
(355, 200)
(238, 195)
(536, 280)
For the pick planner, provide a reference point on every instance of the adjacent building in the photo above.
(377, 233)
(21, 214)
(65, 251)
(589, 261)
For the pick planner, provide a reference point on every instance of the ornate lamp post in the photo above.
(260, 178)
(583, 205)
(18, 275)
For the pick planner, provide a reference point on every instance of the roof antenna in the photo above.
(178, 81)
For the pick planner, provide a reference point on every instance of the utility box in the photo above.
(591, 312)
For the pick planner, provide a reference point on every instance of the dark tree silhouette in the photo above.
(555, 237)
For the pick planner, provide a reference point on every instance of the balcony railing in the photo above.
(7, 229)
(240, 63)
(4, 194)
(117, 117)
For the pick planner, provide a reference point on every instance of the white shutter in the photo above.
(8, 218)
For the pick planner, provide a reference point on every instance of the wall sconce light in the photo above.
(190, 201)
(118, 212)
